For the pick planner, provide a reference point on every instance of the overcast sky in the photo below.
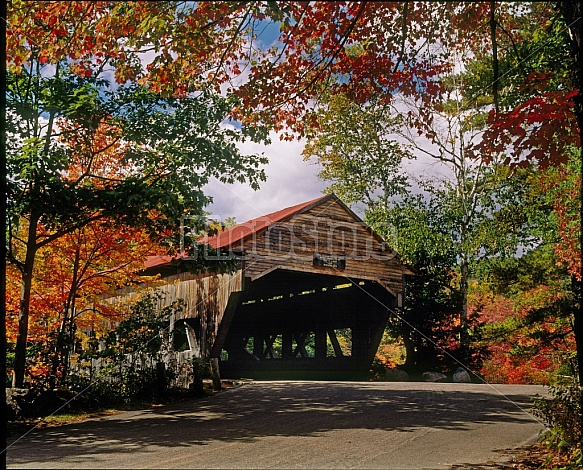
(290, 181)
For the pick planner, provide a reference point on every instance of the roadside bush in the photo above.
(561, 413)
(378, 370)
(129, 357)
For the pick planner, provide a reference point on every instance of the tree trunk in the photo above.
(24, 310)
(571, 12)
(63, 346)
(464, 336)
(68, 346)
(410, 353)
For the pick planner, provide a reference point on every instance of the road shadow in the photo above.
(258, 410)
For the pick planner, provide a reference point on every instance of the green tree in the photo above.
(353, 145)
(474, 209)
(424, 230)
(80, 150)
(428, 321)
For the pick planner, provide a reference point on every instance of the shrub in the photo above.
(562, 414)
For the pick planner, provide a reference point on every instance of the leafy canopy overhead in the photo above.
(83, 149)
(366, 48)
(79, 149)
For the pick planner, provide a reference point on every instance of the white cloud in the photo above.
(290, 181)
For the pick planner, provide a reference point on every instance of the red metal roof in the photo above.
(239, 232)
(157, 260)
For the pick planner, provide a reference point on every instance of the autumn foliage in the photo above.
(277, 60)
(562, 188)
(529, 338)
(84, 152)
(72, 278)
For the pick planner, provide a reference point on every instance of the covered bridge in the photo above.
(309, 298)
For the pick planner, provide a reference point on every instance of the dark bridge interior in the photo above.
(290, 324)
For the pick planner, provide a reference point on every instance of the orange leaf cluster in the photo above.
(547, 342)
(73, 275)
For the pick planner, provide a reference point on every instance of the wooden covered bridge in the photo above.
(309, 297)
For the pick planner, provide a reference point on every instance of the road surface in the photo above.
(300, 425)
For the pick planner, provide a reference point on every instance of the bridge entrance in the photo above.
(309, 297)
(302, 325)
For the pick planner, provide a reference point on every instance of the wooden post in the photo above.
(335, 344)
(269, 351)
(161, 388)
(320, 345)
(301, 346)
(359, 342)
(287, 346)
(215, 373)
(258, 346)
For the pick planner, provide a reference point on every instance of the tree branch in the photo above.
(341, 44)
(495, 65)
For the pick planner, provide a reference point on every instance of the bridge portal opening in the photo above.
(290, 324)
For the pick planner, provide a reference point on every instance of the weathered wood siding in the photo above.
(204, 295)
(205, 298)
(328, 229)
